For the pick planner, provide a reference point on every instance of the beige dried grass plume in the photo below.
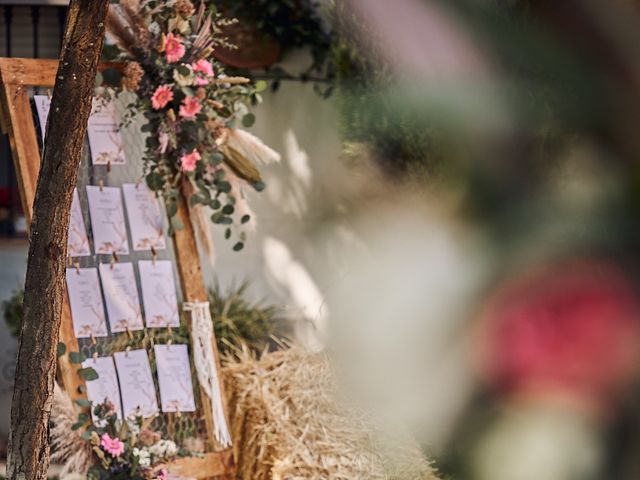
(67, 446)
(286, 424)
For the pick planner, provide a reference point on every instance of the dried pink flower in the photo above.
(190, 107)
(113, 446)
(173, 48)
(161, 97)
(188, 161)
(205, 68)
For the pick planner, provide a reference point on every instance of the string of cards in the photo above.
(124, 379)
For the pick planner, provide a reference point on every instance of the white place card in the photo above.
(121, 297)
(105, 387)
(43, 105)
(78, 242)
(145, 217)
(159, 294)
(136, 383)
(105, 139)
(107, 220)
(174, 378)
(85, 300)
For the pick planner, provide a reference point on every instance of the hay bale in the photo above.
(286, 424)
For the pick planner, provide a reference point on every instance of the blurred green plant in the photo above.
(237, 321)
(12, 311)
(292, 24)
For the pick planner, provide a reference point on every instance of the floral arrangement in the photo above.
(127, 449)
(190, 106)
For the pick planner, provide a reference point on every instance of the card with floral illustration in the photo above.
(159, 294)
(78, 241)
(136, 383)
(145, 217)
(121, 297)
(174, 378)
(85, 300)
(43, 104)
(105, 387)
(105, 140)
(107, 220)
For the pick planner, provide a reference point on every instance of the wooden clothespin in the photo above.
(95, 356)
(114, 259)
(109, 166)
(101, 185)
(154, 256)
(92, 336)
(128, 330)
(126, 351)
(77, 265)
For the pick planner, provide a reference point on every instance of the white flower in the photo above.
(184, 80)
(155, 29)
(144, 457)
(164, 449)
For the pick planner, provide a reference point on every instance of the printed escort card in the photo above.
(174, 378)
(159, 294)
(107, 220)
(145, 217)
(121, 297)
(105, 387)
(43, 104)
(85, 299)
(136, 384)
(105, 139)
(78, 242)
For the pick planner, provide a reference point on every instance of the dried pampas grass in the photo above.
(286, 424)
(67, 445)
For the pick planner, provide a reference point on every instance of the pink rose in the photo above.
(112, 446)
(205, 68)
(161, 97)
(190, 108)
(188, 161)
(173, 48)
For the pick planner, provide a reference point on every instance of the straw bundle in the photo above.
(286, 424)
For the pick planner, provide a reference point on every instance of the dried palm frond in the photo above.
(288, 424)
(240, 165)
(67, 445)
(126, 26)
(250, 147)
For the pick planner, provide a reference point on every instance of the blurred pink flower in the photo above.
(162, 475)
(570, 329)
(190, 108)
(112, 446)
(173, 48)
(161, 97)
(188, 160)
(205, 68)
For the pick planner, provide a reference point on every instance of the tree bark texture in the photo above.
(28, 456)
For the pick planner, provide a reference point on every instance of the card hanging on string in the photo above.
(159, 294)
(145, 217)
(174, 378)
(136, 383)
(43, 104)
(107, 220)
(78, 241)
(103, 130)
(105, 387)
(121, 297)
(85, 300)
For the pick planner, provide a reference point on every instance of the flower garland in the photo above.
(190, 107)
(127, 449)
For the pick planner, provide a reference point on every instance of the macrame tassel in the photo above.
(206, 368)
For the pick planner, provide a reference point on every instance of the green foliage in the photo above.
(238, 321)
(12, 311)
